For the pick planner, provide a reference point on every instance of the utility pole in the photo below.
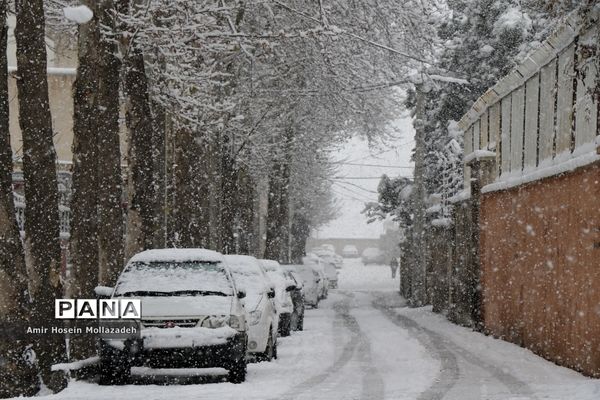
(418, 266)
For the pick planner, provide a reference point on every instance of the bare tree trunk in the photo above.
(246, 194)
(278, 213)
(191, 199)
(140, 168)
(41, 188)
(84, 220)
(159, 157)
(110, 179)
(299, 234)
(17, 377)
(230, 199)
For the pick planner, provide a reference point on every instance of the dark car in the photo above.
(297, 317)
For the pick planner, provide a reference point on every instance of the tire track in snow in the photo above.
(372, 384)
(446, 351)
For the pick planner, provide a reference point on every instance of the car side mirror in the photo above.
(271, 293)
(103, 292)
(241, 294)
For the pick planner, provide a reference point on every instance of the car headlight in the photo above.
(255, 317)
(213, 321)
(236, 322)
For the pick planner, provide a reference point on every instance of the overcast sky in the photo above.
(351, 223)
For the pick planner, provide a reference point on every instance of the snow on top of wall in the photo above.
(442, 222)
(478, 155)
(562, 163)
(464, 194)
(78, 14)
(52, 71)
(178, 255)
(434, 209)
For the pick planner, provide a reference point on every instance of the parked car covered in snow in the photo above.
(191, 316)
(317, 264)
(350, 251)
(329, 256)
(310, 283)
(259, 303)
(283, 297)
(372, 255)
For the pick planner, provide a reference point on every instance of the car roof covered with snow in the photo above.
(178, 255)
(270, 265)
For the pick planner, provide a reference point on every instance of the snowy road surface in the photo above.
(363, 344)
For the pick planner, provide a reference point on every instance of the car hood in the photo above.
(185, 306)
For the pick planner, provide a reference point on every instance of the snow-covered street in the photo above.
(362, 343)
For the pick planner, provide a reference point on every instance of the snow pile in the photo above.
(513, 19)
(78, 14)
(177, 337)
(442, 222)
(75, 365)
(479, 155)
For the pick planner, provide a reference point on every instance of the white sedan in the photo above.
(262, 314)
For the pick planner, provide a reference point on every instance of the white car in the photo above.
(259, 303)
(191, 315)
(372, 255)
(310, 283)
(316, 263)
(329, 256)
(283, 298)
(350, 251)
(330, 264)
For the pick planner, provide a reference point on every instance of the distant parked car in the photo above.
(192, 315)
(297, 318)
(329, 247)
(310, 283)
(262, 313)
(329, 256)
(350, 251)
(283, 297)
(317, 264)
(373, 255)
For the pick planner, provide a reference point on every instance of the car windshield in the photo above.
(149, 279)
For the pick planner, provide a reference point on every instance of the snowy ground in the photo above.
(363, 344)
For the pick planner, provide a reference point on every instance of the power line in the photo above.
(361, 195)
(356, 186)
(341, 178)
(384, 151)
(375, 165)
(350, 196)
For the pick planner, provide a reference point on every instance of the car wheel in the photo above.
(114, 372)
(268, 354)
(275, 350)
(237, 371)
